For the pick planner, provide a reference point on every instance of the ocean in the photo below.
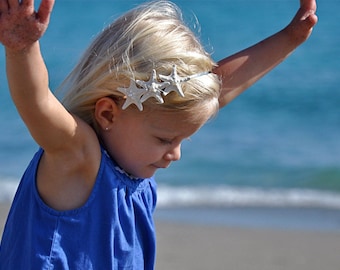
(274, 147)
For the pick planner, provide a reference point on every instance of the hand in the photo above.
(302, 24)
(20, 25)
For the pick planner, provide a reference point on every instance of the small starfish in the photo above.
(133, 95)
(152, 88)
(174, 82)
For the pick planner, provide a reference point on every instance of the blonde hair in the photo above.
(151, 36)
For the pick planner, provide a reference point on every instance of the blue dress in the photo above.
(113, 230)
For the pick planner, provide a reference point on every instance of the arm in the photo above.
(71, 157)
(241, 70)
(27, 75)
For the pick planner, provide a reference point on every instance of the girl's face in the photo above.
(142, 142)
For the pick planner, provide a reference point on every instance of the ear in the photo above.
(106, 112)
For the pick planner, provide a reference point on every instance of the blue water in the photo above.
(275, 145)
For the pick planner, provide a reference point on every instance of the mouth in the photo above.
(163, 166)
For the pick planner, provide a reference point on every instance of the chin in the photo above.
(148, 175)
(144, 174)
(149, 172)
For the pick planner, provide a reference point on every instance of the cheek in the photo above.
(136, 146)
(147, 151)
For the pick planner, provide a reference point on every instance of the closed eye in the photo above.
(165, 141)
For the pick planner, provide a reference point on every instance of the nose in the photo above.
(173, 154)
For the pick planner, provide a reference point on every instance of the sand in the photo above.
(4, 208)
(208, 247)
(184, 246)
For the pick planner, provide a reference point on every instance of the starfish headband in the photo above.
(156, 87)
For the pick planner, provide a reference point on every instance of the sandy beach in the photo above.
(184, 246)
(4, 208)
(187, 246)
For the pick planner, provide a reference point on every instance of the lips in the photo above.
(162, 166)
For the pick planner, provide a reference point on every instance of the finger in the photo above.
(312, 20)
(3, 6)
(308, 4)
(45, 10)
(13, 4)
(308, 14)
(27, 2)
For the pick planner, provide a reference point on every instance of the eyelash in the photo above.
(169, 141)
(165, 141)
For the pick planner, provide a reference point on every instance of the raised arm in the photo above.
(69, 166)
(244, 68)
(20, 29)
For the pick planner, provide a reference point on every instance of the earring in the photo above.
(106, 129)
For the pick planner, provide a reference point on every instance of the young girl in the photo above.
(143, 86)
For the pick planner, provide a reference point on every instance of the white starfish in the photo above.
(152, 88)
(174, 82)
(133, 95)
